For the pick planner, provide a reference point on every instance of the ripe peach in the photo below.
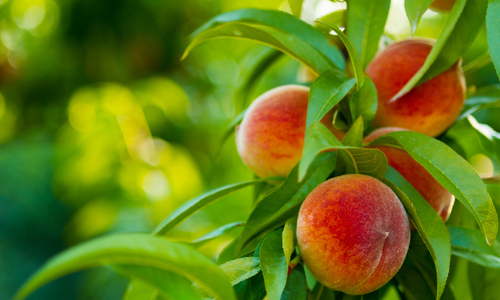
(429, 108)
(442, 5)
(433, 192)
(353, 233)
(271, 136)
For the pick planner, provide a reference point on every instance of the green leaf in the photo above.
(469, 244)
(229, 130)
(289, 238)
(283, 22)
(415, 9)
(273, 264)
(364, 102)
(134, 249)
(486, 97)
(356, 63)
(354, 137)
(255, 289)
(280, 205)
(138, 290)
(255, 63)
(216, 233)
(428, 223)
(318, 139)
(493, 33)
(484, 282)
(241, 269)
(169, 284)
(418, 277)
(365, 24)
(452, 172)
(296, 7)
(284, 42)
(192, 206)
(295, 288)
(459, 31)
(336, 18)
(326, 91)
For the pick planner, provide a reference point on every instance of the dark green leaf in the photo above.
(284, 42)
(216, 233)
(364, 102)
(169, 284)
(354, 137)
(418, 277)
(428, 223)
(486, 97)
(370, 162)
(318, 139)
(241, 269)
(283, 22)
(452, 172)
(273, 264)
(296, 7)
(192, 206)
(135, 249)
(484, 282)
(255, 289)
(464, 33)
(415, 9)
(326, 91)
(289, 238)
(469, 244)
(493, 33)
(459, 31)
(356, 63)
(295, 288)
(277, 207)
(365, 24)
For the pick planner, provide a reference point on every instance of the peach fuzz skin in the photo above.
(429, 108)
(442, 5)
(271, 136)
(353, 233)
(433, 192)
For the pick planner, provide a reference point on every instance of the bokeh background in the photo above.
(103, 129)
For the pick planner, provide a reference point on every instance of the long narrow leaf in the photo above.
(428, 223)
(493, 33)
(135, 249)
(452, 172)
(283, 22)
(282, 41)
(198, 203)
(448, 28)
(365, 24)
(356, 63)
(468, 243)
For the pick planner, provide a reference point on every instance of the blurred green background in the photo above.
(104, 130)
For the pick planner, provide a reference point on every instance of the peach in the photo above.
(442, 5)
(271, 136)
(353, 233)
(433, 192)
(429, 108)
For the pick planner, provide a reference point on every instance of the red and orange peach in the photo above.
(433, 192)
(353, 233)
(429, 108)
(271, 136)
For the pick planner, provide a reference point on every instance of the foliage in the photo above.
(262, 260)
